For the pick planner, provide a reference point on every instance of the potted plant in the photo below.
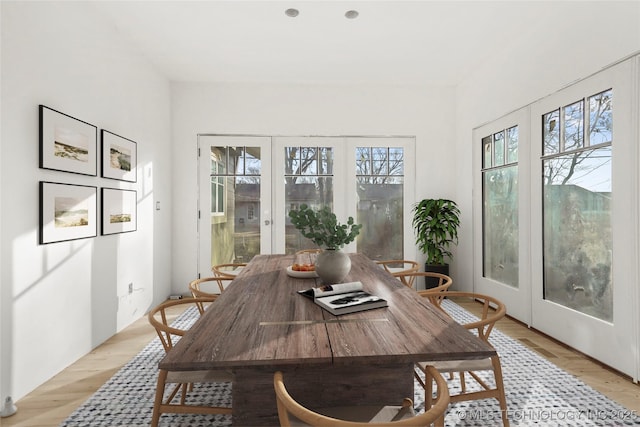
(322, 227)
(436, 223)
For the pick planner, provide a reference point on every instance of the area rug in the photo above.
(538, 393)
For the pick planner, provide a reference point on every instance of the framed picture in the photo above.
(119, 157)
(67, 212)
(67, 144)
(119, 211)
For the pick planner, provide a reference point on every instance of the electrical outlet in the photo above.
(130, 288)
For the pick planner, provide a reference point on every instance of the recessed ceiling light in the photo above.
(292, 13)
(351, 14)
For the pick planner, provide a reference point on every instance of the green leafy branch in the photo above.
(322, 227)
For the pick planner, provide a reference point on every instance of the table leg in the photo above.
(254, 401)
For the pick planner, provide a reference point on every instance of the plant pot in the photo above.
(332, 266)
(432, 282)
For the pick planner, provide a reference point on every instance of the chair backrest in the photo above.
(400, 267)
(287, 405)
(409, 278)
(201, 287)
(160, 319)
(229, 270)
(437, 293)
(492, 310)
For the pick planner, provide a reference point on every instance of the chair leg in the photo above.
(428, 390)
(162, 378)
(183, 393)
(416, 375)
(463, 384)
(428, 400)
(497, 373)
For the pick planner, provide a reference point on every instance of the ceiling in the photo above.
(390, 42)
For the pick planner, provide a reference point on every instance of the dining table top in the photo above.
(260, 320)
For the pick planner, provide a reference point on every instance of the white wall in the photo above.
(426, 112)
(58, 301)
(561, 50)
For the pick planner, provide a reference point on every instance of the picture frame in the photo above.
(67, 212)
(119, 211)
(119, 157)
(67, 144)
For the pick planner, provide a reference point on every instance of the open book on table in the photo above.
(344, 298)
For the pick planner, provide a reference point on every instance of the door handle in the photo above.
(267, 222)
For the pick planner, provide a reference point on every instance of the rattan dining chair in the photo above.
(229, 270)
(399, 267)
(492, 310)
(290, 412)
(182, 381)
(208, 287)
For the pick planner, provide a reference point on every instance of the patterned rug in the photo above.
(538, 393)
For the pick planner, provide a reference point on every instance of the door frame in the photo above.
(614, 343)
(205, 141)
(617, 343)
(517, 299)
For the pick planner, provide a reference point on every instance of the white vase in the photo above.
(332, 265)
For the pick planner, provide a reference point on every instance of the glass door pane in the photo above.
(502, 212)
(380, 190)
(362, 177)
(308, 180)
(577, 209)
(577, 231)
(233, 203)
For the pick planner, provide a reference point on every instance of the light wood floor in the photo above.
(53, 402)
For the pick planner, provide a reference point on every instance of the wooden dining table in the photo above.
(260, 324)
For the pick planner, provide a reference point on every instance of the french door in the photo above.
(556, 215)
(248, 185)
(501, 241)
(234, 203)
(584, 217)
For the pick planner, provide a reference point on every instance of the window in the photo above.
(500, 206)
(577, 232)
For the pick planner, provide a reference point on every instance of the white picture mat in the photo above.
(72, 131)
(116, 202)
(85, 196)
(122, 145)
